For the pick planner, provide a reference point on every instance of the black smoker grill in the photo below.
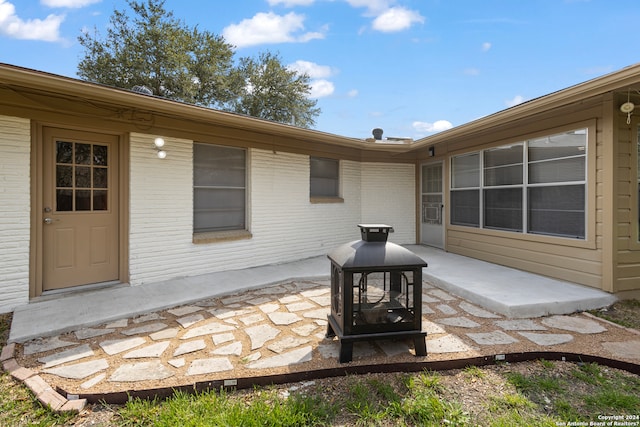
(376, 292)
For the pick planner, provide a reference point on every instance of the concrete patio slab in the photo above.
(494, 288)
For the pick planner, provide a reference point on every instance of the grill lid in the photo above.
(374, 251)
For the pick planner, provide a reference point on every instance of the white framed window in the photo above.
(324, 177)
(537, 186)
(219, 188)
(465, 190)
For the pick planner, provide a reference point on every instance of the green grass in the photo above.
(18, 407)
(220, 409)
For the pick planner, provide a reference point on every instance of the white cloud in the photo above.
(321, 88)
(486, 46)
(352, 93)
(518, 99)
(437, 126)
(71, 4)
(472, 72)
(312, 69)
(374, 7)
(290, 3)
(396, 19)
(269, 27)
(13, 26)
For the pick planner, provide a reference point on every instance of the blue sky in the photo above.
(410, 67)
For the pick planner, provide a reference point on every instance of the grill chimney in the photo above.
(377, 133)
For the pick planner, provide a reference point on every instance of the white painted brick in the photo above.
(15, 206)
(388, 197)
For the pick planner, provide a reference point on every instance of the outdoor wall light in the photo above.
(432, 151)
(158, 144)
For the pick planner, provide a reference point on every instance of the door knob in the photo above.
(48, 221)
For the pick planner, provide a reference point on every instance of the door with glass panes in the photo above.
(80, 227)
(432, 206)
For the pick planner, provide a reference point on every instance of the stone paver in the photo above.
(177, 363)
(143, 371)
(190, 320)
(630, 349)
(164, 334)
(477, 311)
(147, 318)
(393, 348)
(208, 366)
(153, 350)
(299, 306)
(492, 338)
(520, 325)
(547, 339)
(281, 318)
(269, 307)
(112, 347)
(85, 333)
(252, 319)
(461, 322)
(293, 357)
(235, 349)
(79, 370)
(122, 323)
(189, 347)
(184, 310)
(320, 313)
(261, 334)
(285, 325)
(447, 344)
(305, 330)
(208, 329)
(287, 343)
(574, 324)
(145, 329)
(222, 338)
(446, 309)
(45, 344)
(439, 293)
(65, 356)
(93, 381)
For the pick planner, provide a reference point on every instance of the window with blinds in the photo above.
(219, 188)
(536, 186)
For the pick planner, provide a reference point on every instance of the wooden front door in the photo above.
(80, 208)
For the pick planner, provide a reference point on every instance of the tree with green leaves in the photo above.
(182, 63)
(272, 91)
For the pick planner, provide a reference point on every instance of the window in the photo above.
(465, 190)
(219, 188)
(537, 185)
(324, 177)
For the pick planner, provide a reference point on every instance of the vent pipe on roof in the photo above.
(377, 133)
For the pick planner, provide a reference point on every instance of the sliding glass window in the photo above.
(536, 186)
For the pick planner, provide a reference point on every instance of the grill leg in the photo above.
(346, 351)
(420, 344)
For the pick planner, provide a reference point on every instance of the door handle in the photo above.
(48, 221)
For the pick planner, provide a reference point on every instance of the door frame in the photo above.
(36, 255)
(444, 203)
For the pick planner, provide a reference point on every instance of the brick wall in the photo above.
(15, 211)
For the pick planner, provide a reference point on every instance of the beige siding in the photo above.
(388, 197)
(626, 256)
(15, 206)
(564, 259)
